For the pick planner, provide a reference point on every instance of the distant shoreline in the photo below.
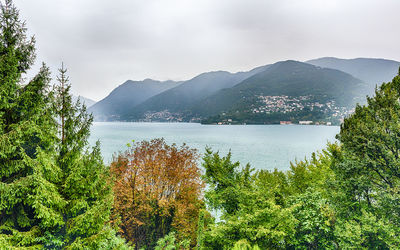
(208, 124)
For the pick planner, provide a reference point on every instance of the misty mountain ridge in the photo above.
(372, 71)
(209, 94)
(184, 96)
(286, 79)
(128, 95)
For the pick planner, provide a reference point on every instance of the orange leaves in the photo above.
(157, 189)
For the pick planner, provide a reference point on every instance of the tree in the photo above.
(250, 209)
(157, 190)
(225, 180)
(271, 209)
(29, 200)
(368, 171)
(169, 243)
(53, 191)
(85, 183)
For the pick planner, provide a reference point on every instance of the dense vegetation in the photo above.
(157, 190)
(56, 193)
(347, 196)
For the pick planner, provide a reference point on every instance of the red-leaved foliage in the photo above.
(157, 189)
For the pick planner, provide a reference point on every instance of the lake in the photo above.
(263, 146)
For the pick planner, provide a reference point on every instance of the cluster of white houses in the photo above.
(286, 104)
(306, 123)
(164, 115)
(282, 104)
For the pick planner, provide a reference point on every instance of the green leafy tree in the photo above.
(310, 185)
(224, 178)
(273, 209)
(169, 242)
(244, 245)
(368, 171)
(316, 221)
(249, 211)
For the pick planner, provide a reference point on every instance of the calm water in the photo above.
(263, 146)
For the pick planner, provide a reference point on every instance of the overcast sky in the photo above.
(105, 42)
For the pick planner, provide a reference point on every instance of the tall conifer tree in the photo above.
(54, 192)
(29, 198)
(85, 182)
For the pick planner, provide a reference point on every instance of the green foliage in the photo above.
(315, 173)
(347, 196)
(368, 172)
(272, 209)
(54, 191)
(85, 183)
(29, 198)
(200, 229)
(224, 177)
(316, 221)
(367, 230)
(169, 243)
(244, 245)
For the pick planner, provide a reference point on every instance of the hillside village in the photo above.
(286, 104)
(268, 105)
(287, 92)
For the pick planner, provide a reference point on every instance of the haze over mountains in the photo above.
(371, 71)
(183, 97)
(128, 95)
(288, 78)
(245, 96)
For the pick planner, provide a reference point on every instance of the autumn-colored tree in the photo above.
(157, 190)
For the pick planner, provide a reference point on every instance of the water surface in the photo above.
(263, 146)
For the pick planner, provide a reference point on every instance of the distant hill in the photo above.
(126, 96)
(88, 102)
(288, 78)
(182, 97)
(312, 86)
(370, 70)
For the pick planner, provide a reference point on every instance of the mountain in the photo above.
(183, 97)
(126, 96)
(370, 70)
(311, 87)
(88, 102)
(285, 80)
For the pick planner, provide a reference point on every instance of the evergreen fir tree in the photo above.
(29, 200)
(54, 192)
(85, 184)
